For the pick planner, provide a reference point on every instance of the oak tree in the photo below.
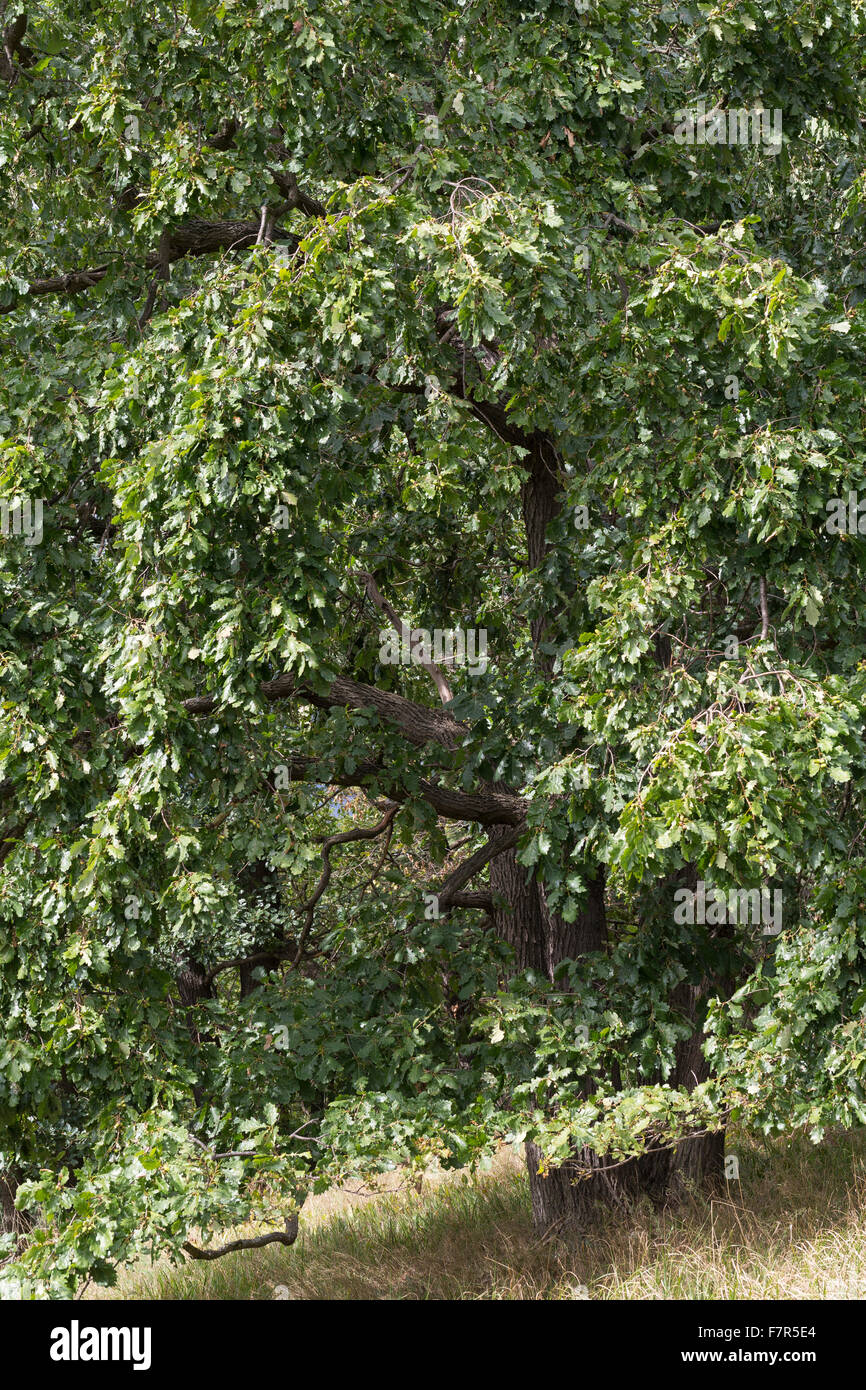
(505, 322)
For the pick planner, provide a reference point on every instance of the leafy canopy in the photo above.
(296, 293)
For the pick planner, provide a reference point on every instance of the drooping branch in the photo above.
(295, 950)
(194, 238)
(275, 955)
(488, 806)
(295, 197)
(285, 1237)
(162, 275)
(765, 609)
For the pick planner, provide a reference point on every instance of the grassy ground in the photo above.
(794, 1226)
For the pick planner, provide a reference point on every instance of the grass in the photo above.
(794, 1226)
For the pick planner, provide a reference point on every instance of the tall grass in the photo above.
(794, 1226)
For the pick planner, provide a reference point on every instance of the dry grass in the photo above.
(793, 1227)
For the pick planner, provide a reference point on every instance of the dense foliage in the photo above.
(315, 311)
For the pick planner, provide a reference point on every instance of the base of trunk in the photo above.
(699, 1165)
(590, 1187)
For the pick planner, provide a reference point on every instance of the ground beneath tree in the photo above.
(794, 1226)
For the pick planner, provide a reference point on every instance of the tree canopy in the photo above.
(325, 324)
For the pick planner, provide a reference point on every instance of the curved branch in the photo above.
(449, 891)
(14, 47)
(343, 838)
(287, 1237)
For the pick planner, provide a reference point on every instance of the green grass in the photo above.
(793, 1227)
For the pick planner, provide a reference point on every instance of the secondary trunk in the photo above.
(589, 1184)
(698, 1162)
(577, 1192)
(194, 985)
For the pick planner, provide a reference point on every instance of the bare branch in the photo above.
(343, 838)
(286, 1237)
(401, 626)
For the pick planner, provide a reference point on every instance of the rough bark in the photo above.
(12, 1221)
(194, 983)
(575, 1194)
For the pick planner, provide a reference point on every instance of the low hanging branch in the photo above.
(286, 1237)
(162, 274)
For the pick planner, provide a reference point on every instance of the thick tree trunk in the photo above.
(590, 1187)
(576, 1193)
(12, 1221)
(699, 1162)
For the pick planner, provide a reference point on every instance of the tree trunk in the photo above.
(248, 983)
(12, 1221)
(193, 985)
(699, 1162)
(588, 1185)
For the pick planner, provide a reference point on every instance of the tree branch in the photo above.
(194, 238)
(442, 686)
(418, 724)
(470, 867)
(343, 838)
(287, 1237)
